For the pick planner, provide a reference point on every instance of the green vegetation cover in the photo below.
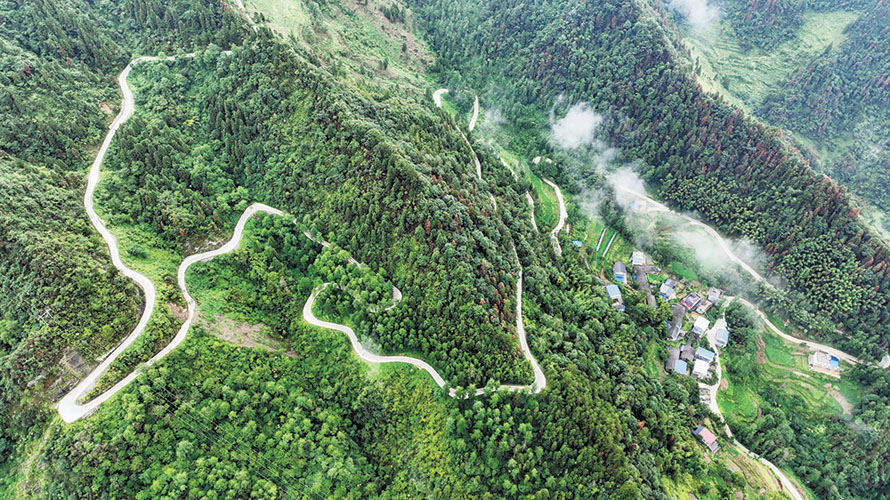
(324, 111)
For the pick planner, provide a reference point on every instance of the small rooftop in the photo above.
(706, 435)
(722, 337)
(701, 324)
(704, 354)
(681, 367)
(613, 291)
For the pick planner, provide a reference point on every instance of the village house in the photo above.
(681, 367)
(823, 362)
(674, 326)
(714, 295)
(666, 290)
(619, 272)
(704, 307)
(687, 353)
(722, 337)
(691, 301)
(704, 354)
(638, 259)
(673, 357)
(614, 294)
(700, 368)
(700, 326)
(708, 438)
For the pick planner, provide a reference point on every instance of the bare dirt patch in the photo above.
(833, 391)
(241, 334)
(178, 312)
(760, 358)
(724, 384)
(396, 33)
(105, 108)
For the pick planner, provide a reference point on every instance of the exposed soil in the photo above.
(178, 312)
(724, 384)
(760, 358)
(836, 394)
(241, 334)
(106, 108)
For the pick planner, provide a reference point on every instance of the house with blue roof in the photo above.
(703, 354)
(722, 337)
(619, 272)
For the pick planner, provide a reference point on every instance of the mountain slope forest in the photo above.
(696, 151)
(371, 167)
(325, 112)
(835, 101)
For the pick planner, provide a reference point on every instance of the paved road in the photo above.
(539, 384)
(69, 409)
(528, 196)
(437, 97)
(785, 481)
(814, 346)
(475, 114)
(563, 215)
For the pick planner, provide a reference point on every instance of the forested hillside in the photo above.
(841, 102)
(329, 120)
(57, 93)
(699, 153)
(387, 178)
(836, 457)
(815, 68)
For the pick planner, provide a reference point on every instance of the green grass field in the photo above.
(753, 74)
(547, 211)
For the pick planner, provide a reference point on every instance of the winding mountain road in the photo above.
(437, 97)
(784, 480)
(70, 409)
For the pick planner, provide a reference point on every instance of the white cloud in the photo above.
(577, 127)
(699, 13)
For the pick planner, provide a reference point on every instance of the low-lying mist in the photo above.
(578, 135)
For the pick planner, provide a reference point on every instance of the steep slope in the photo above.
(59, 295)
(387, 177)
(700, 153)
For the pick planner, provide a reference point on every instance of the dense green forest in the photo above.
(835, 100)
(330, 426)
(701, 155)
(763, 24)
(841, 102)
